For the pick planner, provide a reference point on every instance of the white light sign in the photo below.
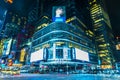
(7, 46)
(81, 55)
(36, 56)
(59, 12)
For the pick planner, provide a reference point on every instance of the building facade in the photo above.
(117, 52)
(84, 38)
(103, 34)
(62, 44)
(90, 16)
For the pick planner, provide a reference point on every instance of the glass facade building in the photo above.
(60, 44)
(103, 34)
(63, 43)
(117, 52)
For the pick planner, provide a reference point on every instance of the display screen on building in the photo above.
(22, 55)
(7, 46)
(36, 56)
(81, 55)
(118, 47)
(58, 14)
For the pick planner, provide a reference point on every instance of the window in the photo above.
(50, 55)
(59, 53)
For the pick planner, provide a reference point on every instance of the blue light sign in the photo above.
(58, 14)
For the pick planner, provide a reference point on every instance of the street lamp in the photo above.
(67, 68)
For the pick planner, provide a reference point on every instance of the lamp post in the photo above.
(67, 68)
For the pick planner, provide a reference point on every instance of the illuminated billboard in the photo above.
(118, 47)
(7, 46)
(81, 55)
(22, 55)
(58, 14)
(36, 56)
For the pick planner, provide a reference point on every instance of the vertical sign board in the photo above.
(73, 54)
(7, 47)
(118, 47)
(45, 53)
(22, 55)
(58, 14)
(65, 52)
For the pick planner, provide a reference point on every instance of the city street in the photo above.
(59, 40)
(61, 77)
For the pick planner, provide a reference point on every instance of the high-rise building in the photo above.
(117, 52)
(13, 24)
(103, 34)
(3, 13)
(64, 44)
(88, 16)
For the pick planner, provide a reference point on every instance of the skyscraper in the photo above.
(103, 34)
(117, 52)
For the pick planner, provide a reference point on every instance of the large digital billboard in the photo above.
(59, 14)
(36, 56)
(81, 55)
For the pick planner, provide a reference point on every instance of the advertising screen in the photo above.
(7, 46)
(22, 55)
(58, 13)
(81, 55)
(36, 56)
(118, 47)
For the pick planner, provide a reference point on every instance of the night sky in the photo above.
(113, 7)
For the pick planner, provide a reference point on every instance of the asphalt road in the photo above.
(60, 77)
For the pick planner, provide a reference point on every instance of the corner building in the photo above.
(104, 37)
(61, 44)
